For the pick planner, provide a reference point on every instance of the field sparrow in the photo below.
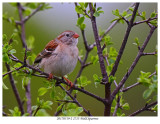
(59, 57)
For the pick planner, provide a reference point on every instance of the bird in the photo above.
(59, 57)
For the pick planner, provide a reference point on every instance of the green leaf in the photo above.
(86, 5)
(124, 13)
(153, 14)
(97, 79)
(83, 26)
(4, 86)
(4, 37)
(144, 78)
(99, 8)
(131, 9)
(79, 10)
(126, 106)
(94, 59)
(59, 107)
(82, 81)
(96, 14)
(12, 51)
(155, 108)
(5, 58)
(15, 112)
(80, 20)
(115, 12)
(143, 15)
(42, 91)
(30, 42)
(147, 93)
(82, 5)
(47, 105)
(27, 11)
(136, 41)
(111, 78)
(52, 94)
(115, 20)
(25, 81)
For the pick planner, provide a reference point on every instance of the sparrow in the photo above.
(59, 57)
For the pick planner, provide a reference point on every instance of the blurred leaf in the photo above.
(147, 93)
(155, 108)
(27, 11)
(126, 106)
(99, 8)
(12, 51)
(153, 14)
(52, 94)
(42, 91)
(144, 78)
(83, 26)
(25, 81)
(111, 78)
(96, 14)
(47, 105)
(86, 5)
(143, 15)
(59, 107)
(30, 42)
(82, 81)
(124, 13)
(79, 10)
(4, 86)
(42, 112)
(4, 37)
(97, 80)
(15, 112)
(115, 12)
(80, 20)
(94, 59)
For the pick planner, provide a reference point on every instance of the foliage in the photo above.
(66, 99)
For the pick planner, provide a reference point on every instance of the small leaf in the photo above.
(96, 14)
(4, 86)
(59, 107)
(126, 106)
(153, 14)
(124, 13)
(42, 91)
(147, 93)
(83, 26)
(12, 51)
(80, 20)
(99, 8)
(115, 12)
(86, 5)
(4, 37)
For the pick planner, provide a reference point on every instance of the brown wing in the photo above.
(50, 47)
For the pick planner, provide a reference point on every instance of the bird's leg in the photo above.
(50, 76)
(69, 82)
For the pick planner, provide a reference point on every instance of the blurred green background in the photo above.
(46, 25)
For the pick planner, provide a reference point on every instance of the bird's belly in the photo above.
(59, 65)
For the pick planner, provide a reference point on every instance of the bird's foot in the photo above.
(69, 83)
(50, 76)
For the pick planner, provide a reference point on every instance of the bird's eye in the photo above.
(67, 35)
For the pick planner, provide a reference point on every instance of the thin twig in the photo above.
(143, 109)
(145, 21)
(16, 69)
(134, 63)
(117, 106)
(120, 53)
(75, 100)
(16, 93)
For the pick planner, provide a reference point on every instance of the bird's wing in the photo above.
(48, 50)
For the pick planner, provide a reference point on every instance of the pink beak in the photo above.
(75, 35)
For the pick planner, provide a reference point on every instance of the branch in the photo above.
(144, 21)
(140, 53)
(16, 69)
(144, 108)
(153, 53)
(99, 49)
(74, 100)
(16, 93)
(23, 39)
(124, 41)
(110, 27)
(129, 87)
(117, 106)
